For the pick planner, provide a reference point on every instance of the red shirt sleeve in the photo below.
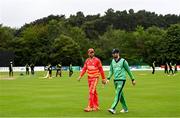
(84, 69)
(101, 70)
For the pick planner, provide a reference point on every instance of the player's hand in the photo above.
(78, 79)
(107, 81)
(104, 81)
(133, 82)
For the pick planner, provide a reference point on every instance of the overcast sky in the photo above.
(15, 13)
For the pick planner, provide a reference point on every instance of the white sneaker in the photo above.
(124, 111)
(112, 111)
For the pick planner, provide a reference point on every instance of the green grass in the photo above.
(154, 96)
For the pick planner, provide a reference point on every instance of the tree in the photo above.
(6, 36)
(141, 36)
(170, 46)
(66, 51)
(77, 20)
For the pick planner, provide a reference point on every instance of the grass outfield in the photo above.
(154, 96)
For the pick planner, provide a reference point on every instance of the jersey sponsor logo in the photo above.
(92, 67)
(117, 65)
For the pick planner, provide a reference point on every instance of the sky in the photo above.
(15, 13)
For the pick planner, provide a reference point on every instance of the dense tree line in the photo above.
(142, 37)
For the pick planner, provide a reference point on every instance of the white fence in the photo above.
(105, 68)
(21, 69)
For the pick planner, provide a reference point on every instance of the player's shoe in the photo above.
(124, 111)
(112, 111)
(88, 109)
(96, 109)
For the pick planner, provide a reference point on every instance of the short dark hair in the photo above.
(115, 50)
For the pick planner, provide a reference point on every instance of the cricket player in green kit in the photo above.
(119, 67)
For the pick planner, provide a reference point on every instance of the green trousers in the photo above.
(119, 84)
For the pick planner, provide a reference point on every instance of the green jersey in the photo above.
(70, 68)
(119, 69)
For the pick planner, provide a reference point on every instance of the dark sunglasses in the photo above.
(91, 52)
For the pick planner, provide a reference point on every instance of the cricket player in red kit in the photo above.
(94, 69)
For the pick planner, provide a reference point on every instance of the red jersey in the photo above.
(93, 67)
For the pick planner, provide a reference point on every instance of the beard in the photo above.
(115, 57)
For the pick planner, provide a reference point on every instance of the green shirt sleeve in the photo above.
(126, 66)
(110, 72)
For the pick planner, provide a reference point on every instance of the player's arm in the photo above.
(110, 72)
(83, 71)
(126, 66)
(102, 72)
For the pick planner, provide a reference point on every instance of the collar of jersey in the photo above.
(117, 60)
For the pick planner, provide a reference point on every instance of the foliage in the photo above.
(141, 36)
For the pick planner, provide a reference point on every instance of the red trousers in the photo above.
(93, 96)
